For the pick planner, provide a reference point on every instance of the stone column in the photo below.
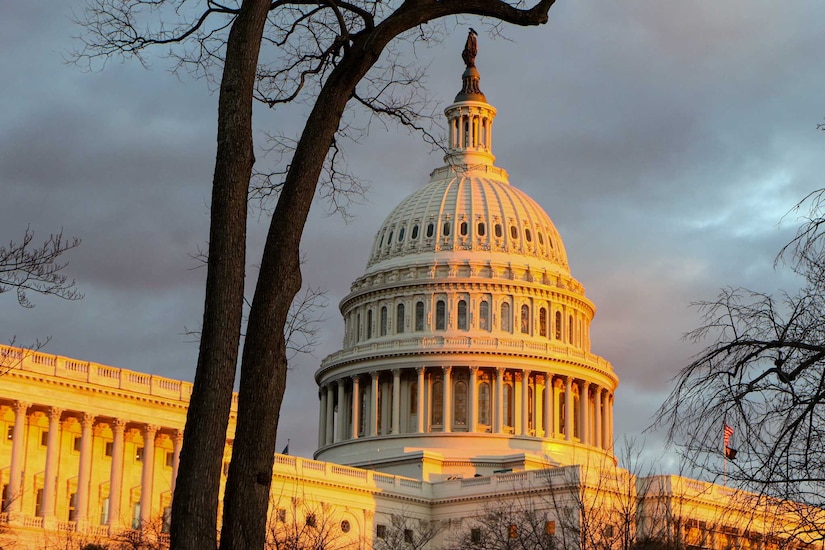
(374, 404)
(568, 408)
(498, 409)
(322, 417)
(421, 389)
(50, 475)
(584, 405)
(549, 409)
(525, 403)
(610, 423)
(396, 401)
(116, 472)
(597, 437)
(85, 471)
(472, 405)
(342, 410)
(177, 443)
(356, 405)
(17, 451)
(330, 429)
(448, 400)
(148, 474)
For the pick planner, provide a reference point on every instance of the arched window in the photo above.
(369, 324)
(570, 330)
(460, 404)
(562, 419)
(414, 233)
(530, 406)
(389, 240)
(481, 229)
(576, 427)
(438, 403)
(525, 319)
(505, 317)
(484, 315)
(401, 235)
(362, 420)
(513, 232)
(384, 321)
(498, 230)
(558, 325)
(358, 328)
(414, 398)
(462, 315)
(445, 230)
(440, 315)
(430, 230)
(399, 318)
(419, 316)
(508, 404)
(528, 236)
(541, 238)
(543, 322)
(463, 229)
(484, 403)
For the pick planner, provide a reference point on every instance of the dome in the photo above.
(466, 343)
(468, 213)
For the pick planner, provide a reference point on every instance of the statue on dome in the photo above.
(470, 49)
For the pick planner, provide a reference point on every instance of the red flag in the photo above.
(728, 433)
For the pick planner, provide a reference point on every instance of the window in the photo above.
(562, 418)
(401, 235)
(498, 230)
(10, 432)
(44, 438)
(281, 515)
(462, 229)
(512, 531)
(530, 405)
(414, 398)
(475, 535)
(138, 454)
(484, 403)
(481, 230)
(384, 321)
(414, 232)
(541, 238)
(389, 239)
(550, 528)
(170, 459)
(430, 230)
(72, 506)
(311, 521)
(528, 236)
(136, 515)
(166, 521)
(76, 444)
(38, 503)
(399, 318)
(438, 402)
(345, 526)
(525, 319)
(108, 448)
(543, 322)
(460, 406)
(104, 511)
(381, 531)
(508, 404)
(408, 536)
(462, 315)
(484, 315)
(358, 328)
(445, 230)
(440, 315)
(505, 317)
(419, 316)
(369, 324)
(513, 232)
(558, 325)
(570, 330)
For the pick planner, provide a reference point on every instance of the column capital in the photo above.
(118, 424)
(355, 377)
(396, 371)
(474, 369)
(447, 370)
(500, 371)
(420, 370)
(375, 374)
(87, 420)
(150, 429)
(177, 436)
(54, 414)
(21, 406)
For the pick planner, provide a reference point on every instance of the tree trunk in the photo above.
(195, 503)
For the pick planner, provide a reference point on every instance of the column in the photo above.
(420, 407)
(17, 448)
(342, 410)
(50, 475)
(356, 405)
(498, 410)
(525, 404)
(605, 422)
(322, 417)
(584, 402)
(610, 424)
(549, 410)
(330, 429)
(374, 405)
(597, 437)
(147, 474)
(116, 472)
(472, 408)
(85, 470)
(568, 408)
(396, 401)
(177, 443)
(448, 399)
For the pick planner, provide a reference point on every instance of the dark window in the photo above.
(72, 505)
(513, 232)
(498, 230)
(484, 315)
(438, 402)
(414, 234)
(419, 316)
(462, 315)
(430, 230)
(446, 229)
(369, 324)
(109, 448)
(463, 229)
(399, 318)
(543, 322)
(408, 536)
(381, 531)
(389, 240)
(528, 236)
(525, 319)
(384, 321)
(10, 433)
(558, 325)
(475, 535)
(401, 234)
(170, 459)
(440, 315)
(541, 238)
(505, 317)
(481, 229)
(44, 439)
(345, 526)
(311, 521)
(76, 444)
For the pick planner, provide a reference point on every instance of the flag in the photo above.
(730, 453)
(728, 433)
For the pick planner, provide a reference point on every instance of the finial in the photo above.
(469, 80)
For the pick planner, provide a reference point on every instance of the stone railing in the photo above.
(18, 359)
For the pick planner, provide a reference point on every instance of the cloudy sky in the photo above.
(665, 139)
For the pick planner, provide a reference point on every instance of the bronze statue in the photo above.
(470, 49)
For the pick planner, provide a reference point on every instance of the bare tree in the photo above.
(319, 52)
(404, 532)
(27, 267)
(763, 375)
(306, 524)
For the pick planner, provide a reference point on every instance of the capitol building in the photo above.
(465, 408)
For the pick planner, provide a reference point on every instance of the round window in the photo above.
(345, 526)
